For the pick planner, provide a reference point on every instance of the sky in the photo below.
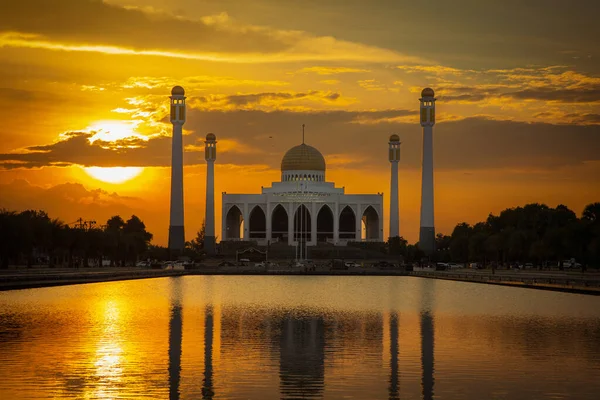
(84, 88)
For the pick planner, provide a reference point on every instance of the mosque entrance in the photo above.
(302, 225)
(324, 224)
(233, 223)
(279, 224)
(370, 221)
(347, 224)
(257, 226)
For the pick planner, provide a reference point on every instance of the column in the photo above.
(313, 224)
(268, 213)
(358, 222)
(290, 224)
(246, 218)
(336, 221)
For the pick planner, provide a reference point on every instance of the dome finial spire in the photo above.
(302, 133)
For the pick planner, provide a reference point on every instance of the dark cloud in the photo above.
(584, 118)
(361, 137)
(577, 95)
(68, 201)
(550, 93)
(257, 98)
(97, 23)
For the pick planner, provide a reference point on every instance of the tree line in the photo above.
(32, 237)
(533, 233)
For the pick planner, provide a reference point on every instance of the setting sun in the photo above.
(113, 174)
(110, 131)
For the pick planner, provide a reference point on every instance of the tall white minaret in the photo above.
(176, 231)
(394, 156)
(427, 232)
(210, 154)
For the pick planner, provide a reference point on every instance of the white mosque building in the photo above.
(303, 208)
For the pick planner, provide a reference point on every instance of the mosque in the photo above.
(302, 209)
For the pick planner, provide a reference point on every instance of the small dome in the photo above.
(394, 138)
(427, 92)
(177, 91)
(303, 158)
(211, 137)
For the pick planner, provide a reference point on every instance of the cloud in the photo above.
(69, 201)
(164, 84)
(332, 70)
(95, 26)
(254, 137)
(545, 84)
(268, 100)
(575, 95)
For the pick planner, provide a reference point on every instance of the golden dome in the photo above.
(394, 138)
(210, 137)
(303, 158)
(177, 91)
(427, 92)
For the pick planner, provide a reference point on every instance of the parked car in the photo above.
(384, 265)
(225, 264)
(143, 264)
(571, 264)
(352, 264)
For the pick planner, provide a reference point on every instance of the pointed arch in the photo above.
(257, 223)
(279, 223)
(324, 224)
(233, 223)
(370, 224)
(347, 224)
(302, 224)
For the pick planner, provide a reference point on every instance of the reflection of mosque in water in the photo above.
(302, 357)
(303, 343)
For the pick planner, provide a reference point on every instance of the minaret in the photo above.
(210, 154)
(427, 232)
(394, 155)
(176, 231)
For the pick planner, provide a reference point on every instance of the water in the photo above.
(272, 337)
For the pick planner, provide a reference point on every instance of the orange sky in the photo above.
(84, 87)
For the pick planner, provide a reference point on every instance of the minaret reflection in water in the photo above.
(302, 357)
(427, 339)
(207, 384)
(175, 338)
(394, 389)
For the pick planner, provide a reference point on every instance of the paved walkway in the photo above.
(564, 281)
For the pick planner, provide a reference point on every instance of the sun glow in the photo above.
(113, 174)
(110, 131)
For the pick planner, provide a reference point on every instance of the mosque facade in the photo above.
(303, 208)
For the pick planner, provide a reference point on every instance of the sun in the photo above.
(113, 174)
(113, 130)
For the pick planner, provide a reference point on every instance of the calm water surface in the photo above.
(252, 337)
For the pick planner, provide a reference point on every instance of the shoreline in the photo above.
(24, 279)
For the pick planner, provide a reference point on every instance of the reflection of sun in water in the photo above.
(113, 174)
(109, 357)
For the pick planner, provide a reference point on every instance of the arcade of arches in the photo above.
(301, 224)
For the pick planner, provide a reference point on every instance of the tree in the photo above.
(397, 246)
(135, 239)
(114, 232)
(197, 244)
(459, 244)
